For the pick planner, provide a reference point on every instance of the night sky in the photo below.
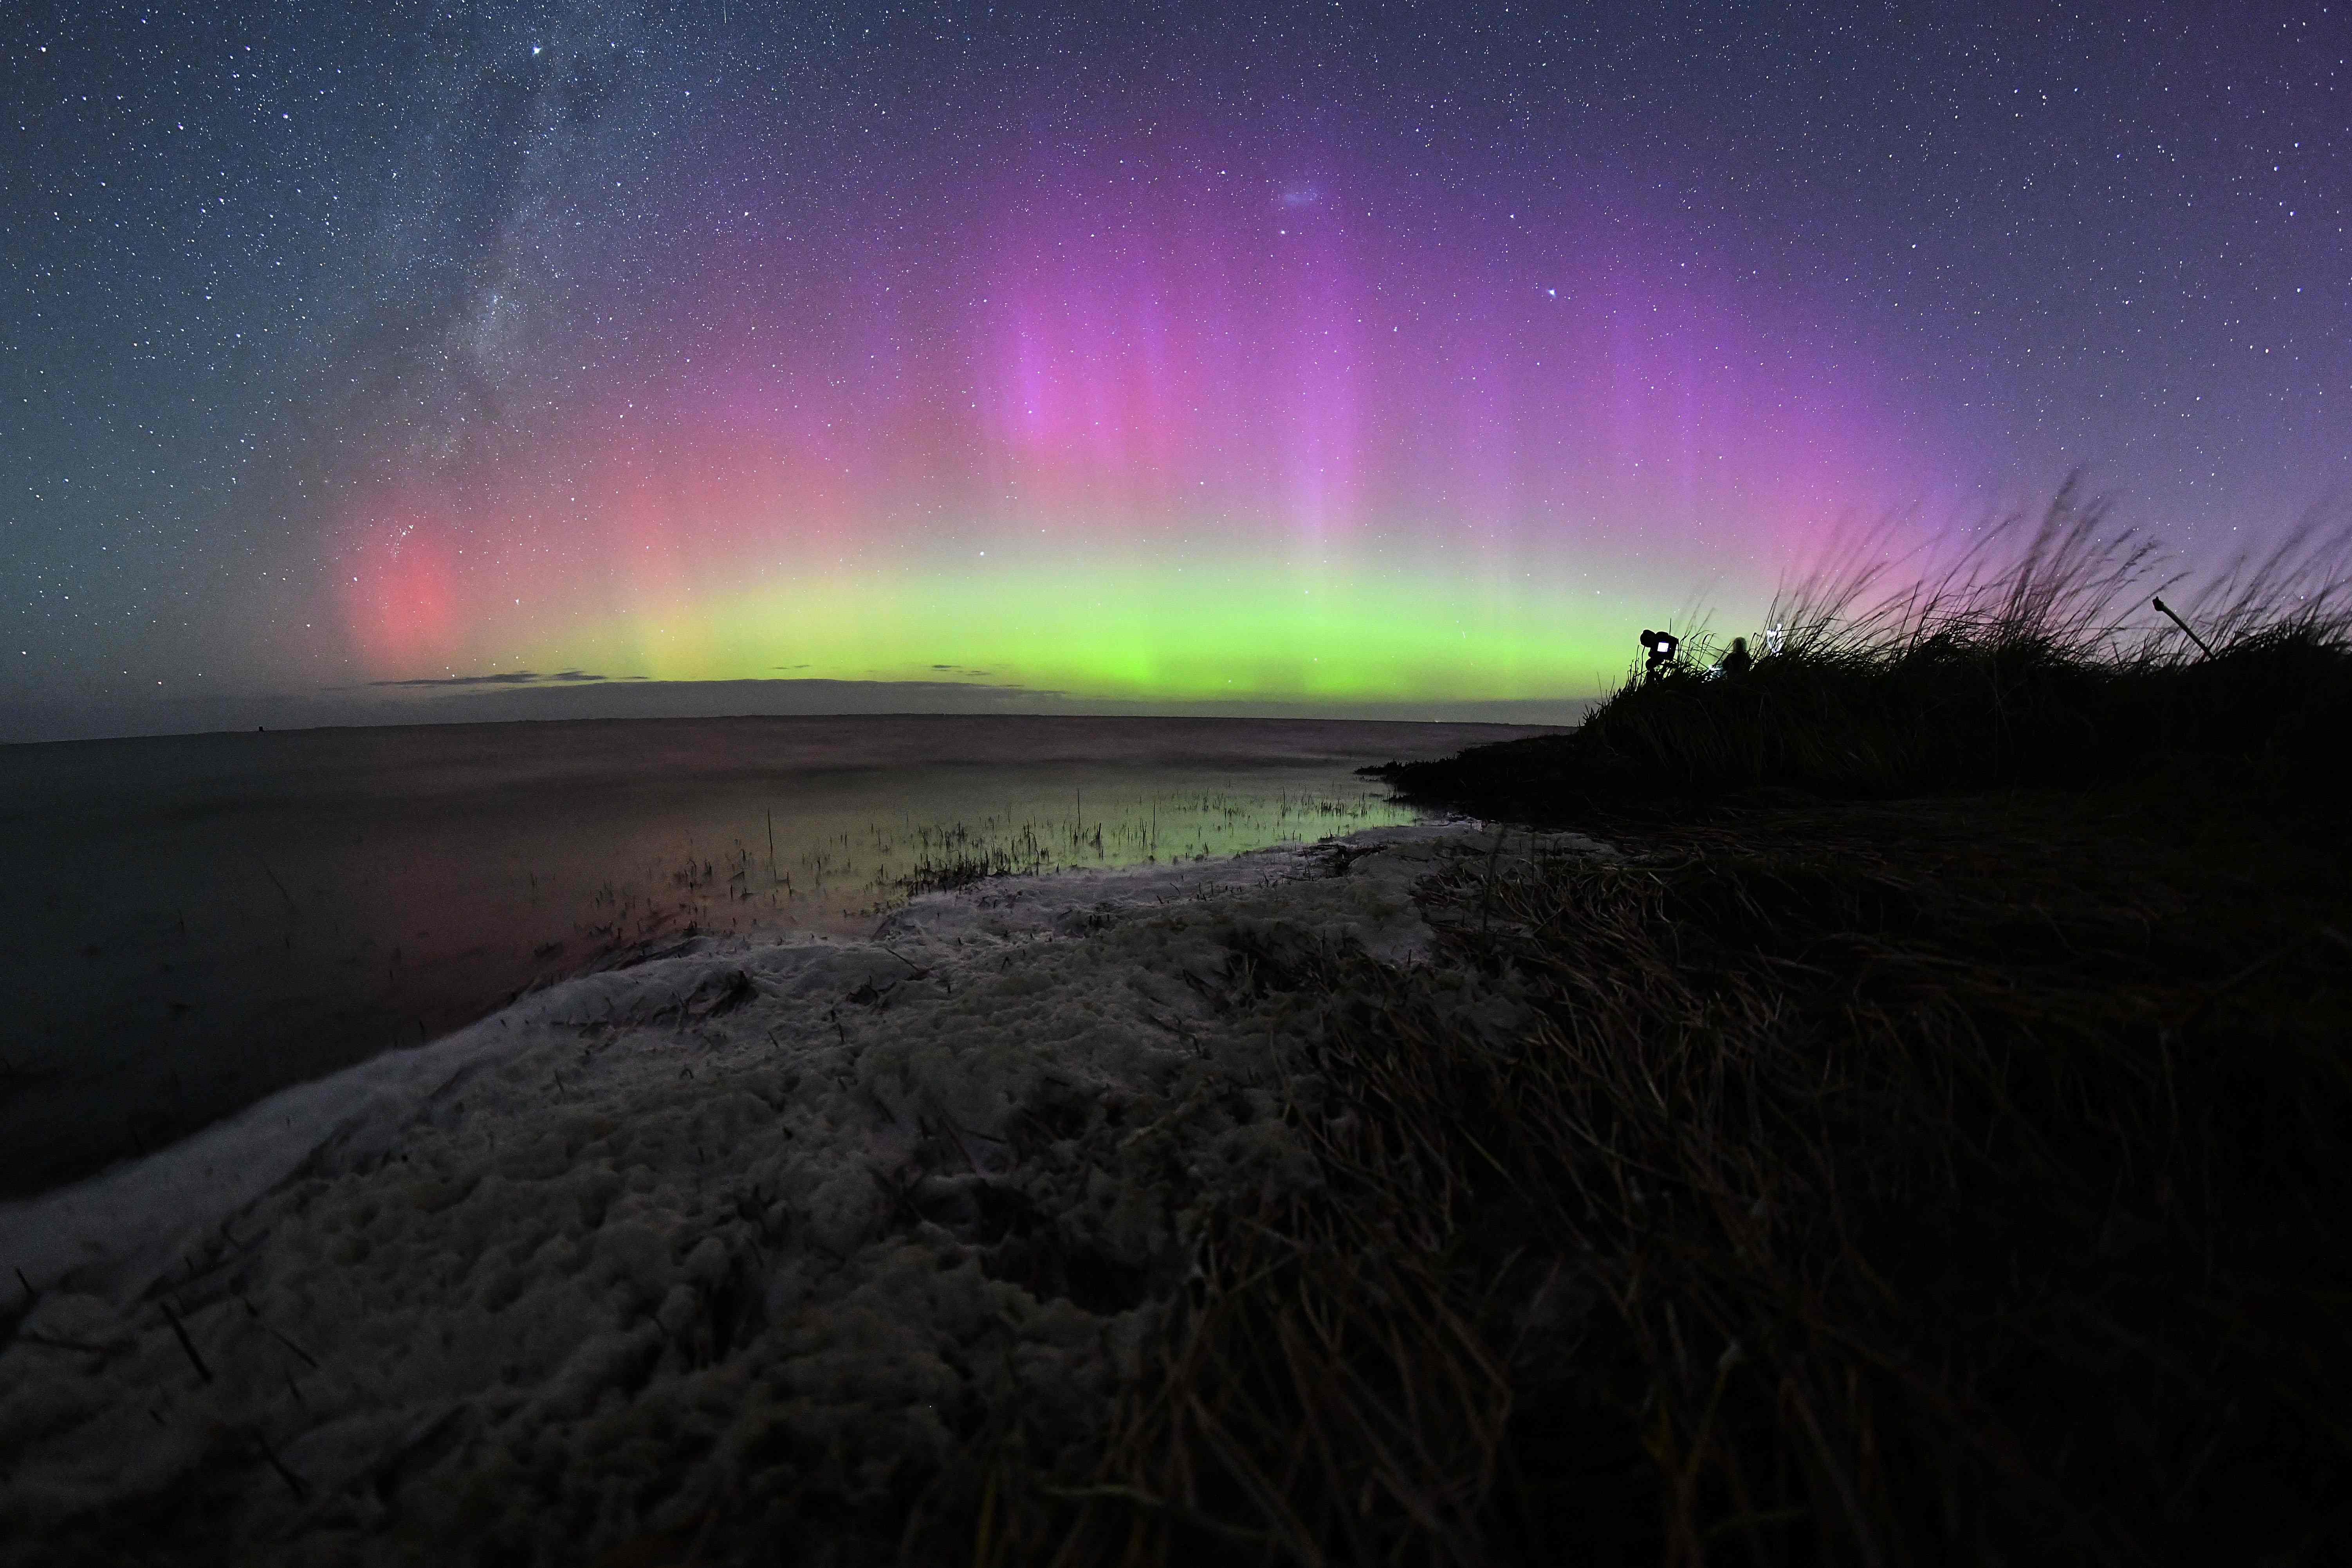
(1342, 355)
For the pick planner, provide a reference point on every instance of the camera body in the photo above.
(1658, 649)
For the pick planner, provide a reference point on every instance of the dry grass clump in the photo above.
(1845, 1179)
(1316, 1395)
(1874, 1185)
(1942, 1203)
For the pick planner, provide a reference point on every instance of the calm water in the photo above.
(194, 921)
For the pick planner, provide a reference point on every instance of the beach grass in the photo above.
(2037, 657)
(1933, 1142)
(1871, 1185)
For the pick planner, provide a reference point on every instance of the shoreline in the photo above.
(209, 924)
(97, 1230)
(804, 1164)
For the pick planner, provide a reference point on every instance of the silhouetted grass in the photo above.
(1840, 1178)
(2037, 658)
(1867, 1183)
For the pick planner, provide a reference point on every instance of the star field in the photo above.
(1317, 353)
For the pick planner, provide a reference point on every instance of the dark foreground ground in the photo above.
(1874, 1161)
(1939, 1179)
(1946, 1179)
(1941, 1125)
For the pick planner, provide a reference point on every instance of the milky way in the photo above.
(1316, 354)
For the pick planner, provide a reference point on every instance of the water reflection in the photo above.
(202, 920)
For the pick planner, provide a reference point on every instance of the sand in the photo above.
(785, 1223)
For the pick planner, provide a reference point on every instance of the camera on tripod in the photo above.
(1660, 649)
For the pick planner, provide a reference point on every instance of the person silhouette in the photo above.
(1736, 661)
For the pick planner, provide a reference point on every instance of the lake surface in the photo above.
(196, 921)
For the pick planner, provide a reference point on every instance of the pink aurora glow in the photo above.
(1312, 376)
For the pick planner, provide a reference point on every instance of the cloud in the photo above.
(512, 677)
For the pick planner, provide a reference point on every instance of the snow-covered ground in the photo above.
(774, 1222)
